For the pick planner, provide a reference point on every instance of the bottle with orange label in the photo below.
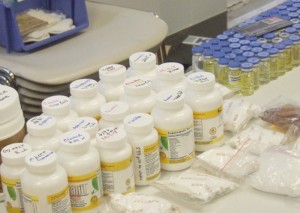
(82, 164)
(207, 104)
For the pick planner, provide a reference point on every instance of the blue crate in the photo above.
(10, 36)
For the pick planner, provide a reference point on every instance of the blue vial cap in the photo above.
(208, 52)
(197, 49)
(272, 51)
(248, 54)
(214, 41)
(223, 61)
(269, 35)
(265, 14)
(240, 58)
(234, 45)
(247, 65)
(297, 5)
(233, 64)
(263, 55)
(237, 51)
(293, 15)
(206, 45)
(251, 38)
(246, 48)
(218, 54)
(290, 30)
(280, 46)
(281, 7)
(266, 46)
(230, 56)
(292, 9)
(287, 17)
(255, 44)
(222, 37)
(288, 3)
(233, 40)
(226, 50)
(274, 10)
(253, 60)
(257, 49)
(238, 35)
(244, 42)
(259, 18)
(287, 42)
(294, 38)
(229, 32)
(296, 26)
(295, 1)
(215, 47)
(225, 43)
(283, 12)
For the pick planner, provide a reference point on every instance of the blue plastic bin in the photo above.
(10, 36)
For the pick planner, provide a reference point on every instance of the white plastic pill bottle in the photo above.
(207, 105)
(13, 165)
(145, 147)
(82, 164)
(112, 114)
(142, 64)
(44, 184)
(138, 95)
(169, 75)
(42, 133)
(173, 120)
(59, 106)
(116, 161)
(87, 124)
(112, 77)
(85, 98)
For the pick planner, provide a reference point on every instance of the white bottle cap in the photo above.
(112, 73)
(142, 61)
(170, 99)
(41, 161)
(138, 123)
(56, 105)
(114, 111)
(14, 154)
(201, 81)
(111, 137)
(170, 71)
(137, 86)
(84, 88)
(9, 104)
(12, 127)
(75, 141)
(87, 124)
(42, 125)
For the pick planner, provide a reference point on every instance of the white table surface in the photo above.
(245, 199)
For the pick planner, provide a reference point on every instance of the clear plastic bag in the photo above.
(195, 186)
(226, 162)
(237, 114)
(279, 172)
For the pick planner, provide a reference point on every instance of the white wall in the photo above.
(178, 14)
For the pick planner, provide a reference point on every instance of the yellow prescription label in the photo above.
(13, 195)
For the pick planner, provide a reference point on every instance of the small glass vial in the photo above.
(173, 120)
(42, 133)
(112, 77)
(59, 107)
(295, 50)
(273, 63)
(262, 40)
(12, 167)
(142, 64)
(284, 35)
(247, 79)
(217, 56)
(208, 61)
(207, 104)
(145, 147)
(234, 76)
(116, 161)
(82, 164)
(276, 40)
(264, 76)
(269, 37)
(85, 98)
(45, 184)
(222, 71)
(197, 58)
(280, 58)
(113, 114)
(169, 75)
(138, 94)
(88, 124)
(256, 71)
(288, 54)
(266, 46)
